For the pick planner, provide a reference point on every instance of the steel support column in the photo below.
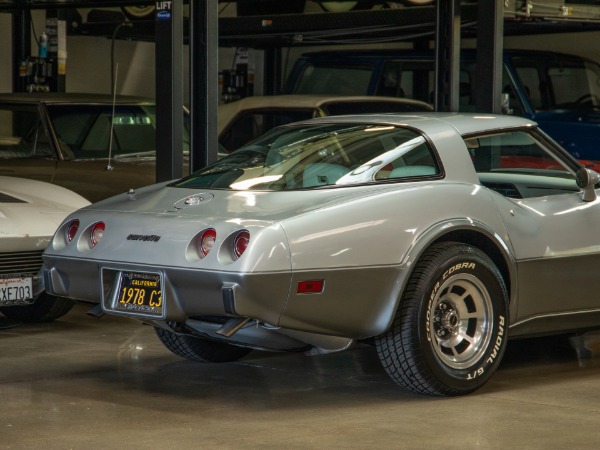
(273, 77)
(490, 35)
(447, 55)
(21, 46)
(204, 75)
(169, 89)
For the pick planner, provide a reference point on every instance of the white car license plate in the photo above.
(15, 290)
(139, 293)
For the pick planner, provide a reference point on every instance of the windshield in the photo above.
(85, 130)
(300, 157)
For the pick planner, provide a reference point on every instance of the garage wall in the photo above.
(88, 60)
(89, 71)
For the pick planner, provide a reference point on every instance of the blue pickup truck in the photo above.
(560, 92)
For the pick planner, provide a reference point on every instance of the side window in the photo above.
(517, 165)
(532, 85)
(410, 79)
(571, 85)
(22, 134)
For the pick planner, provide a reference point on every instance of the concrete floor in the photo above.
(83, 383)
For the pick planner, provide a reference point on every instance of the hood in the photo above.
(575, 131)
(33, 208)
(589, 116)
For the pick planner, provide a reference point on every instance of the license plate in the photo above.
(15, 290)
(139, 293)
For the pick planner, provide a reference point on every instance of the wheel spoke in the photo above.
(459, 321)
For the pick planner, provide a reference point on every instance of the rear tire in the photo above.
(449, 333)
(134, 13)
(199, 349)
(45, 308)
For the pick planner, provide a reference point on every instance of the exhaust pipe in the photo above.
(232, 326)
(96, 312)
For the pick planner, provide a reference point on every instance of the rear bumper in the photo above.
(186, 292)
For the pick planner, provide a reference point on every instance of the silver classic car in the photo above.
(434, 237)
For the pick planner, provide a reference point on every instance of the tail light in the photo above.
(96, 233)
(71, 230)
(240, 243)
(207, 241)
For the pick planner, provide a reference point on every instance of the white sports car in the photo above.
(30, 213)
(433, 236)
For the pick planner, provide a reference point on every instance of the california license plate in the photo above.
(15, 290)
(139, 293)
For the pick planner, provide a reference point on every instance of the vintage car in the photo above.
(244, 120)
(560, 92)
(65, 139)
(30, 213)
(434, 237)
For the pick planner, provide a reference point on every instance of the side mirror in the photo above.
(587, 180)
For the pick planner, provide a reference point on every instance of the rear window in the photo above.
(248, 125)
(318, 155)
(346, 79)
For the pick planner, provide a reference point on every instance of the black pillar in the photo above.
(169, 89)
(21, 46)
(204, 81)
(490, 35)
(447, 55)
(273, 77)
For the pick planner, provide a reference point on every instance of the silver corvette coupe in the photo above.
(433, 237)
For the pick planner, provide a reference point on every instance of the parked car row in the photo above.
(78, 141)
(437, 290)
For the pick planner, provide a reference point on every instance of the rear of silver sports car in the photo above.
(170, 265)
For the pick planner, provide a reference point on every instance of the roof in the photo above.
(301, 101)
(463, 123)
(61, 97)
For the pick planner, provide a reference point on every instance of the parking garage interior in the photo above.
(85, 381)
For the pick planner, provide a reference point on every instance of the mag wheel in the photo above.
(449, 332)
(198, 349)
(45, 308)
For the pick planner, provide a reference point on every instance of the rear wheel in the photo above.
(449, 333)
(199, 349)
(45, 308)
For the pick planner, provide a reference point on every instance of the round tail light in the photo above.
(240, 243)
(71, 230)
(96, 233)
(207, 241)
